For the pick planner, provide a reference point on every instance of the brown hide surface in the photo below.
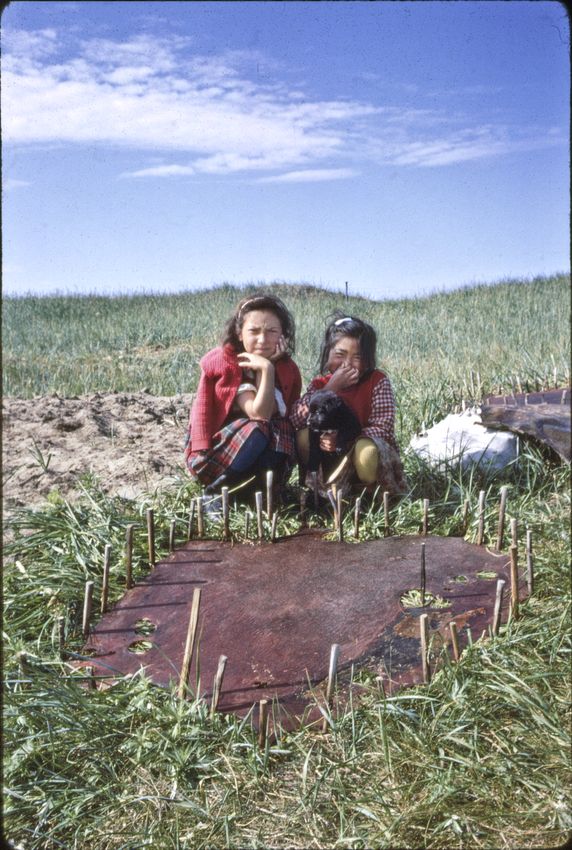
(275, 610)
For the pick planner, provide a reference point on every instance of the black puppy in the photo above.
(329, 413)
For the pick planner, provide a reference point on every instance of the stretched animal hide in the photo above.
(327, 412)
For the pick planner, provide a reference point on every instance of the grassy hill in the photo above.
(438, 349)
(478, 758)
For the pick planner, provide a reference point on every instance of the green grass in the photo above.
(438, 350)
(478, 758)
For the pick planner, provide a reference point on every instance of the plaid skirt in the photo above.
(208, 465)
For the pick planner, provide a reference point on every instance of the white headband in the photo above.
(347, 319)
(250, 300)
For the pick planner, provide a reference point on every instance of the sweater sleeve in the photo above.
(201, 415)
(381, 420)
(289, 381)
(300, 408)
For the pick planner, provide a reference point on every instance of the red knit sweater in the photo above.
(358, 396)
(371, 400)
(220, 378)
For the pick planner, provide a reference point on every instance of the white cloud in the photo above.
(478, 143)
(140, 94)
(11, 183)
(150, 94)
(311, 175)
(37, 44)
(162, 171)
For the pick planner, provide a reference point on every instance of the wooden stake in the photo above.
(386, 528)
(191, 520)
(425, 517)
(262, 723)
(424, 633)
(225, 513)
(333, 668)
(498, 606)
(172, 532)
(151, 536)
(129, 556)
(190, 643)
(87, 603)
(339, 505)
(481, 527)
(357, 517)
(529, 562)
(273, 528)
(502, 511)
(62, 637)
(302, 507)
(218, 683)
(514, 531)
(454, 639)
(423, 577)
(22, 662)
(200, 518)
(330, 494)
(258, 497)
(269, 499)
(465, 520)
(105, 583)
(91, 683)
(514, 582)
(315, 489)
(334, 500)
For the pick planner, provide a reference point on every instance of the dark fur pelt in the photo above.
(327, 412)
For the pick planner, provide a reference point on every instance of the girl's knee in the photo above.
(366, 460)
(303, 444)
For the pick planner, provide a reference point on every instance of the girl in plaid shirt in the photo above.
(347, 366)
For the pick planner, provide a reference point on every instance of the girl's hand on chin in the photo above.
(280, 350)
(253, 361)
(344, 376)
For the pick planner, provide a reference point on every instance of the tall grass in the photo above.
(437, 349)
(479, 758)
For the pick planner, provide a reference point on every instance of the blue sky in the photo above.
(404, 147)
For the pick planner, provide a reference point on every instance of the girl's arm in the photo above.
(259, 405)
(301, 407)
(381, 422)
(343, 377)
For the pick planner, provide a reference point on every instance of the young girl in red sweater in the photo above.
(347, 366)
(239, 423)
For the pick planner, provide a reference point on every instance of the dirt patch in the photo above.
(133, 443)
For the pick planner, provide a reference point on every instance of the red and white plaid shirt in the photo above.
(381, 422)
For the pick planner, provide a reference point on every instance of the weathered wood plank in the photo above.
(548, 423)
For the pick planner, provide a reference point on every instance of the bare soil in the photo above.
(132, 442)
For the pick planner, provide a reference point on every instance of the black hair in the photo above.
(260, 301)
(340, 325)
